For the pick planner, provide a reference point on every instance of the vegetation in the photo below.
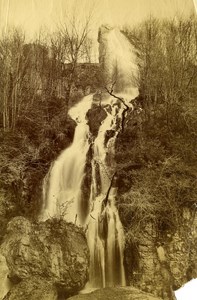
(156, 153)
(39, 81)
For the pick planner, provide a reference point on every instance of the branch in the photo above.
(105, 200)
(122, 100)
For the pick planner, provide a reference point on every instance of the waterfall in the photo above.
(62, 188)
(105, 232)
(62, 193)
(117, 58)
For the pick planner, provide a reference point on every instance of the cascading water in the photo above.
(117, 58)
(62, 188)
(105, 232)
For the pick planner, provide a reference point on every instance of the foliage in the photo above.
(36, 90)
(156, 155)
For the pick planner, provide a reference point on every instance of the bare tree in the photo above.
(13, 71)
(23, 77)
(75, 45)
(167, 62)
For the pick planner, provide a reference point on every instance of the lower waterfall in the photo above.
(105, 232)
(62, 192)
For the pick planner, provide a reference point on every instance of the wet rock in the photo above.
(95, 117)
(109, 134)
(86, 187)
(98, 178)
(54, 250)
(32, 289)
(116, 293)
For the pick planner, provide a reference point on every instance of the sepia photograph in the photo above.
(98, 149)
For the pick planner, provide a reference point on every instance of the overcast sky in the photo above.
(32, 14)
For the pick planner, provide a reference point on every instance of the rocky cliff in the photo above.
(162, 265)
(53, 251)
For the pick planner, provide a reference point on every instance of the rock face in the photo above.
(120, 293)
(53, 250)
(32, 289)
(162, 266)
(95, 117)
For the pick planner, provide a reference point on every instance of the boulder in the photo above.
(116, 293)
(32, 289)
(54, 250)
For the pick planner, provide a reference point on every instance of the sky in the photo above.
(32, 14)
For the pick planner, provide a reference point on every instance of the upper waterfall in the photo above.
(117, 58)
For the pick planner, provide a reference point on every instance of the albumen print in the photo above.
(98, 135)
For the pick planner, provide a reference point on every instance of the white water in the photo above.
(62, 195)
(119, 61)
(62, 188)
(105, 232)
